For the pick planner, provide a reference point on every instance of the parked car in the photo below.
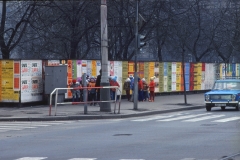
(225, 93)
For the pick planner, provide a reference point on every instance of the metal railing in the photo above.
(101, 87)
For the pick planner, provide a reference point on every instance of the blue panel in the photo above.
(187, 68)
(187, 72)
(187, 78)
(187, 86)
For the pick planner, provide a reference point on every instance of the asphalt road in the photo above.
(186, 135)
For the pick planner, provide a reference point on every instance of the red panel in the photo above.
(203, 66)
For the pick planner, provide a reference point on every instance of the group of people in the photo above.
(93, 93)
(145, 90)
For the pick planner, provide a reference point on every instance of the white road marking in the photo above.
(183, 117)
(83, 159)
(7, 129)
(227, 119)
(203, 118)
(131, 159)
(155, 117)
(149, 119)
(33, 123)
(39, 125)
(8, 126)
(32, 158)
(13, 127)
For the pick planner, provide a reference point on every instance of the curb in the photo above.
(92, 117)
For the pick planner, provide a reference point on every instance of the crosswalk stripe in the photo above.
(38, 125)
(183, 117)
(32, 158)
(7, 127)
(227, 119)
(12, 126)
(42, 122)
(153, 118)
(203, 118)
(83, 159)
(131, 159)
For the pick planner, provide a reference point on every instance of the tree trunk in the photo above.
(5, 53)
(73, 54)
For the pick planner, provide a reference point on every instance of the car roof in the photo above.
(228, 80)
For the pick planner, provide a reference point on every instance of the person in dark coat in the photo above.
(126, 87)
(140, 90)
(98, 83)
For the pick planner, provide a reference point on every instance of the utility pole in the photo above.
(135, 101)
(104, 93)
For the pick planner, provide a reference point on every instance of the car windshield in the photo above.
(226, 86)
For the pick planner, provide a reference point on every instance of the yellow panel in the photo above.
(94, 68)
(151, 69)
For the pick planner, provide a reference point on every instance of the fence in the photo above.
(84, 98)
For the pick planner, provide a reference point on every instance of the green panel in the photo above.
(74, 69)
(124, 70)
(169, 69)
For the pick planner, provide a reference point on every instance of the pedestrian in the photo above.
(81, 90)
(126, 87)
(110, 84)
(114, 83)
(131, 87)
(140, 90)
(75, 91)
(145, 90)
(92, 91)
(152, 89)
(97, 84)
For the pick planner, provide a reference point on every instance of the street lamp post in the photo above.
(105, 93)
(135, 107)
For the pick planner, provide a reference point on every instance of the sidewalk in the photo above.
(162, 104)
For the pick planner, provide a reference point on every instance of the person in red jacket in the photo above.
(140, 90)
(114, 83)
(152, 89)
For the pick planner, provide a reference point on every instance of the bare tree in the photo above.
(227, 34)
(12, 33)
(197, 43)
(66, 29)
(71, 29)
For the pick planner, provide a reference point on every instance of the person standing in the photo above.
(97, 84)
(114, 83)
(140, 90)
(145, 90)
(111, 84)
(152, 89)
(132, 87)
(126, 87)
(92, 91)
(81, 90)
(75, 91)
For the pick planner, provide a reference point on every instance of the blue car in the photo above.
(225, 93)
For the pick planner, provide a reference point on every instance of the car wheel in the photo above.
(237, 107)
(223, 108)
(208, 107)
